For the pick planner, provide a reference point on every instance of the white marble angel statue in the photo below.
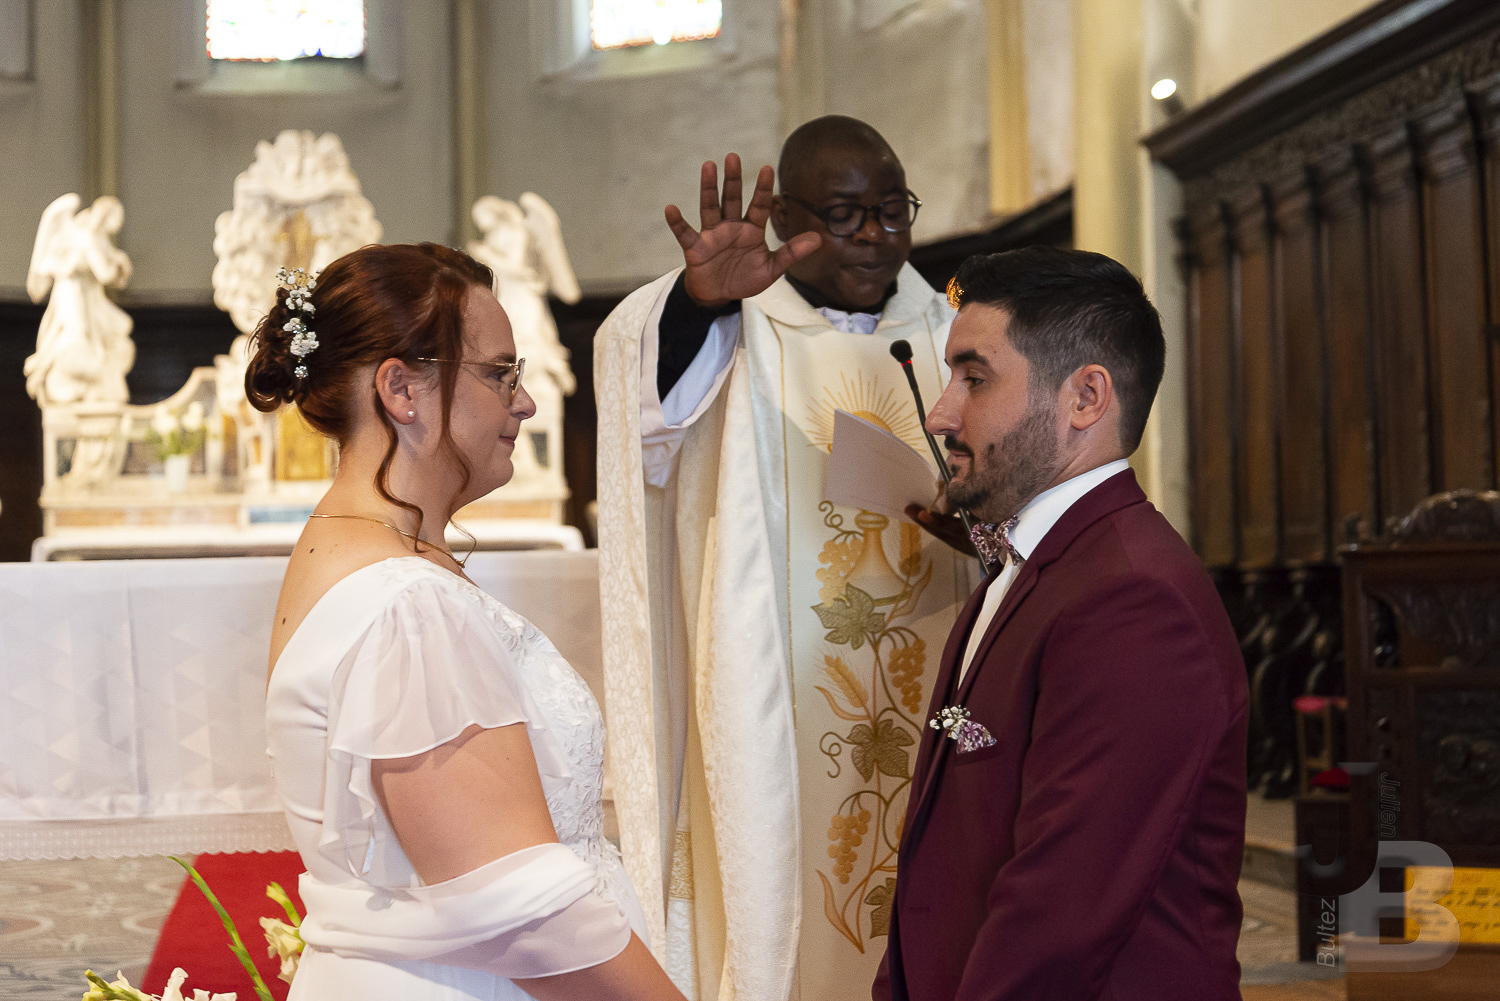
(523, 246)
(83, 346)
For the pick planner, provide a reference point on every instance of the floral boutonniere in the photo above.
(955, 721)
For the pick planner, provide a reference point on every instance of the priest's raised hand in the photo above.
(728, 257)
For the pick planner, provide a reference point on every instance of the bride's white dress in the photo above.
(395, 659)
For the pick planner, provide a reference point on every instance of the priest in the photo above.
(768, 654)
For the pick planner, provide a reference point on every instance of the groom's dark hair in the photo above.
(1070, 308)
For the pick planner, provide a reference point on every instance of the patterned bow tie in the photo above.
(993, 543)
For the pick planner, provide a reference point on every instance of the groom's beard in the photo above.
(1004, 476)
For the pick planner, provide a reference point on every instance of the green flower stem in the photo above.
(236, 944)
(276, 893)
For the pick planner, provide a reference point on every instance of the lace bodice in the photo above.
(573, 715)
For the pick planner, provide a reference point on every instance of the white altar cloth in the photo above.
(132, 695)
(170, 541)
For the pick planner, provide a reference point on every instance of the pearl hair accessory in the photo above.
(299, 287)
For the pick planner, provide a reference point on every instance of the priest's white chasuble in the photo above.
(768, 656)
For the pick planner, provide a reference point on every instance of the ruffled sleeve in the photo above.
(435, 661)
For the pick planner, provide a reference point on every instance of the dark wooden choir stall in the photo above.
(1340, 242)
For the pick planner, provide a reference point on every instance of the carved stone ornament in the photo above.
(298, 206)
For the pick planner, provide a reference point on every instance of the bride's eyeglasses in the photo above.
(505, 374)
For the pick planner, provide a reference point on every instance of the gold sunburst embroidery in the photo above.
(863, 397)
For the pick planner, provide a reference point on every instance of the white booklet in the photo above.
(873, 470)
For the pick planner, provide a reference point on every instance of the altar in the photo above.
(202, 473)
(132, 695)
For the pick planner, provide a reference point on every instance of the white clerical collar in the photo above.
(1046, 508)
(850, 323)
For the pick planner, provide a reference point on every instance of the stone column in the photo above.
(1122, 210)
(466, 120)
(101, 62)
(1010, 144)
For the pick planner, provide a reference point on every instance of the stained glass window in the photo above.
(616, 24)
(272, 30)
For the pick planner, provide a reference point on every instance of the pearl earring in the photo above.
(411, 413)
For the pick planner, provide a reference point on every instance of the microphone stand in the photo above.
(901, 351)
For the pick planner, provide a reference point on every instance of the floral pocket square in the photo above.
(971, 736)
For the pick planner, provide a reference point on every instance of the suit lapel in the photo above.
(1019, 589)
(1114, 493)
(936, 743)
(947, 667)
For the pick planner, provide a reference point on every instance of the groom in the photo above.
(1076, 822)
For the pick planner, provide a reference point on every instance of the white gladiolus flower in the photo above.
(120, 990)
(117, 988)
(164, 422)
(284, 942)
(192, 417)
(174, 990)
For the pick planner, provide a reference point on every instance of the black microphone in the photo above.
(901, 351)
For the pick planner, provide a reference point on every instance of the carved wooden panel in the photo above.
(1459, 750)
(1400, 334)
(1344, 264)
(1486, 103)
(1211, 390)
(1301, 372)
(1363, 285)
(1257, 473)
(1454, 239)
(1422, 617)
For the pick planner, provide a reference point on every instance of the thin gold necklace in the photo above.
(423, 542)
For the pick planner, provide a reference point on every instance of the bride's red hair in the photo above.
(403, 301)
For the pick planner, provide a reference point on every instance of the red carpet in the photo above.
(193, 938)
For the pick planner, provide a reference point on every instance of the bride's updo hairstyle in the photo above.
(403, 301)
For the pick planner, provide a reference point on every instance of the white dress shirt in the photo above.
(1032, 525)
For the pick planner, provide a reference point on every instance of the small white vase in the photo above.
(177, 473)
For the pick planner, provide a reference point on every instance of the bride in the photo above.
(439, 762)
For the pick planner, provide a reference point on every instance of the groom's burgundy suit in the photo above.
(1094, 851)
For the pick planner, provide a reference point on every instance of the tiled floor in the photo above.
(1268, 939)
(59, 918)
(1268, 946)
